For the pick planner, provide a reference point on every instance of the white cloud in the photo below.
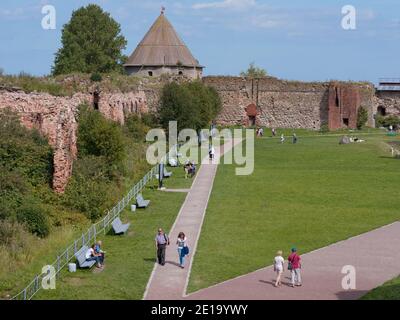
(226, 4)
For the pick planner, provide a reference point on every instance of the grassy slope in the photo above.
(130, 258)
(389, 291)
(309, 195)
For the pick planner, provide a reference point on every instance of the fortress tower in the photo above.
(162, 51)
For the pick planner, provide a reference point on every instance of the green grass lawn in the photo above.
(389, 291)
(130, 258)
(307, 195)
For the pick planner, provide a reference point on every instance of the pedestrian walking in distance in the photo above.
(162, 241)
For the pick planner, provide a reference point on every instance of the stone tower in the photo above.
(162, 52)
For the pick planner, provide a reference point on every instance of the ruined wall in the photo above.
(390, 100)
(282, 104)
(55, 117)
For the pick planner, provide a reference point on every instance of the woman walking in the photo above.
(182, 249)
(279, 264)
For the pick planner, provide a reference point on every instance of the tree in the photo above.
(193, 105)
(91, 42)
(362, 118)
(254, 72)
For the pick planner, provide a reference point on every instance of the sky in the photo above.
(295, 40)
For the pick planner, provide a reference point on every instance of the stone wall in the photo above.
(55, 117)
(282, 104)
(389, 100)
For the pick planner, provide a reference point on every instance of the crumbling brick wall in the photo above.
(56, 118)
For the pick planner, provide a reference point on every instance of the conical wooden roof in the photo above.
(161, 46)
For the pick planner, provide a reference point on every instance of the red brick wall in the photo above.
(343, 103)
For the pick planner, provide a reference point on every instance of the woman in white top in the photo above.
(279, 264)
(181, 242)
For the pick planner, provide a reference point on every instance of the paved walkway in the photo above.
(375, 255)
(169, 282)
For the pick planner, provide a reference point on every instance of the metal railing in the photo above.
(89, 237)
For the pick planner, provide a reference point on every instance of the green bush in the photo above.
(90, 189)
(99, 136)
(392, 120)
(96, 77)
(31, 214)
(362, 118)
(24, 150)
(324, 128)
(136, 127)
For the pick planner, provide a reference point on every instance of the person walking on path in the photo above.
(161, 244)
(294, 267)
(182, 249)
(294, 138)
(279, 264)
(282, 138)
(273, 132)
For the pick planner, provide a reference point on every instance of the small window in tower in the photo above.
(181, 73)
(150, 73)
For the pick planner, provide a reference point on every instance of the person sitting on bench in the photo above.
(101, 253)
(91, 255)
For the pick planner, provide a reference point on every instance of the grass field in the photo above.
(307, 195)
(129, 258)
(389, 291)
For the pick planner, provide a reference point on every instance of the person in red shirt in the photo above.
(295, 267)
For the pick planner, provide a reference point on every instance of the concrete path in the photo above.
(375, 256)
(169, 282)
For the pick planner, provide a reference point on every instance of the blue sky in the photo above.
(300, 40)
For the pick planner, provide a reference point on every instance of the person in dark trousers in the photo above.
(295, 267)
(162, 241)
(294, 138)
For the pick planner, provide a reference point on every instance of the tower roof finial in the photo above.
(162, 10)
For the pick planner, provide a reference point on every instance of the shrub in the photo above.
(14, 237)
(136, 127)
(100, 137)
(324, 128)
(96, 77)
(362, 118)
(392, 120)
(31, 214)
(24, 150)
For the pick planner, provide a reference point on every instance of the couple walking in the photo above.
(162, 241)
(294, 266)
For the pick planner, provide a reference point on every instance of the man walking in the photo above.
(162, 241)
(294, 267)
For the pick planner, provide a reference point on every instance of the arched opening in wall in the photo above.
(180, 73)
(382, 111)
(346, 122)
(251, 111)
(96, 100)
(150, 73)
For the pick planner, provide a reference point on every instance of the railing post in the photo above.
(24, 294)
(94, 232)
(83, 239)
(36, 283)
(58, 266)
(75, 247)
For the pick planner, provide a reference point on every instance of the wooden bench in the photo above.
(119, 227)
(141, 203)
(81, 258)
